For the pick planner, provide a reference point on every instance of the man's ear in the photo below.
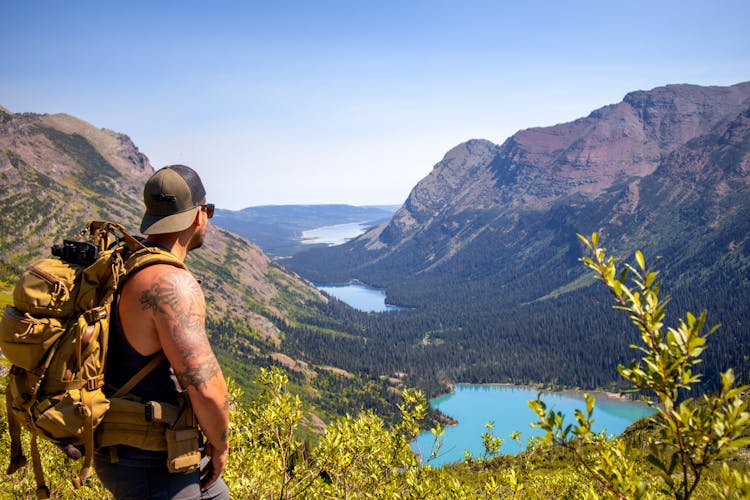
(197, 220)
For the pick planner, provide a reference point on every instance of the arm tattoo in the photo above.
(175, 294)
(199, 374)
(178, 300)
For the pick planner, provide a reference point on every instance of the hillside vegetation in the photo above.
(691, 449)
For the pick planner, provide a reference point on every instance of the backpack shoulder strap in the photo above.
(140, 375)
(149, 256)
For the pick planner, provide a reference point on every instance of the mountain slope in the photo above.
(487, 241)
(57, 172)
(60, 172)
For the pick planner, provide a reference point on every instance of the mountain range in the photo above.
(486, 244)
(483, 253)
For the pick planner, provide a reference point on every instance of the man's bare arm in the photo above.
(179, 311)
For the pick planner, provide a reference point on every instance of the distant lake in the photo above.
(333, 235)
(359, 296)
(474, 405)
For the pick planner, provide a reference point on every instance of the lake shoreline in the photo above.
(575, 393)
(565, 391)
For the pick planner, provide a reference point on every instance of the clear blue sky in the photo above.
(280, 102)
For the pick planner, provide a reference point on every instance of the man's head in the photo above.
(173, 195)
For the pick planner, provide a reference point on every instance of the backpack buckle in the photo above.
(95, 314)
(95, 383)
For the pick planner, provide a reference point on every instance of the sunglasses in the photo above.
(208, 208)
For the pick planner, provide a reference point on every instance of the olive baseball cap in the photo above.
(172, 196)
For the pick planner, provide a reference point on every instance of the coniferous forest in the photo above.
(482, 331)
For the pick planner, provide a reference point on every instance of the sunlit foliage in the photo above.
(694, 447)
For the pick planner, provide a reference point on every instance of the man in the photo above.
(161, 308)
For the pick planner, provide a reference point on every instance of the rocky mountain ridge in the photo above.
(481, 186)
(579, 160)
(486, 243)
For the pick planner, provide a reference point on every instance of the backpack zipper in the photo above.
(57, 284)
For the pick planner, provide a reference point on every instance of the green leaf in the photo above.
(673, 463)
(654, 460)
(640, 260)
(590, 401)
(739, 443)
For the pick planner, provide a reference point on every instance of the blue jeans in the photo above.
(140, 474)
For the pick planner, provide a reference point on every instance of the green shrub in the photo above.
(692, 435)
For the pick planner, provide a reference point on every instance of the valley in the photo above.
(483, 255)
(438, 250)
(484, 252)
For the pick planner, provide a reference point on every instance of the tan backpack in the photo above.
(56, 335)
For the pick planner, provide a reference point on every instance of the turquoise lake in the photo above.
(474, 405)
(359, 296)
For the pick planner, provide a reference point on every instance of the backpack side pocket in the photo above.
(25, 340)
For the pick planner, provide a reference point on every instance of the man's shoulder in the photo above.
(165, 289)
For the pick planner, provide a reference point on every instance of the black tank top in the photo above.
(123, 361)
